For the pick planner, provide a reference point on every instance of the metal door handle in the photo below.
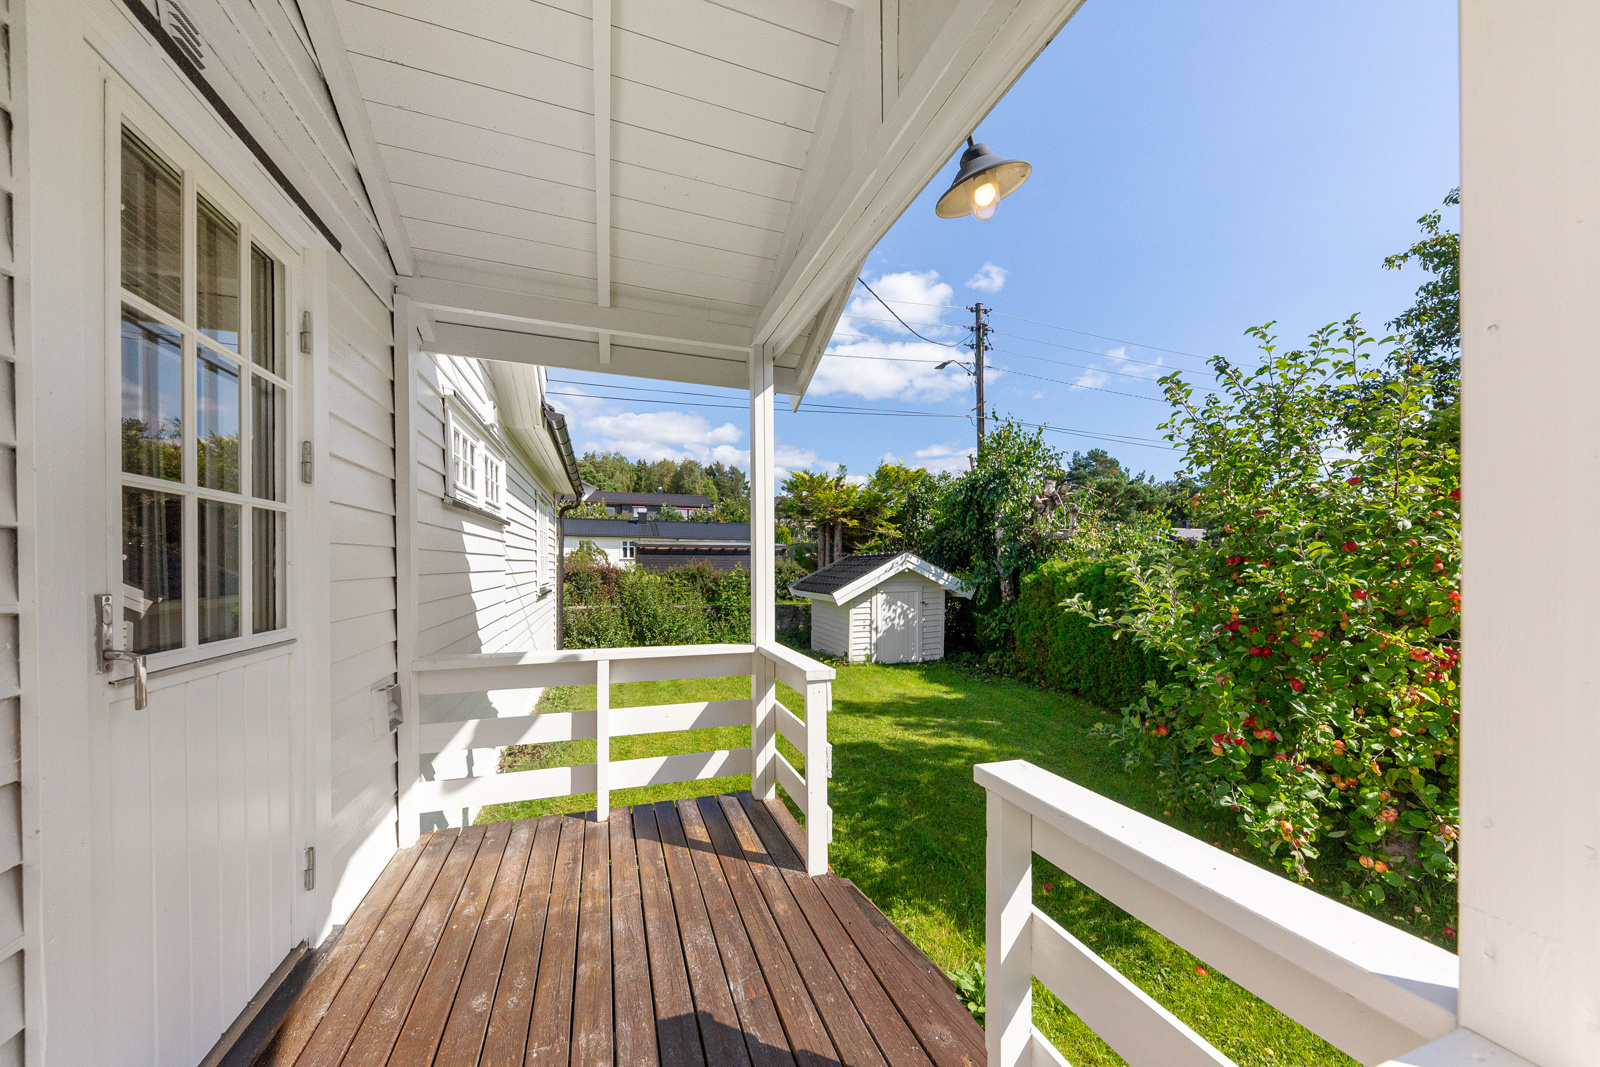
(108, 655)
(141, 678)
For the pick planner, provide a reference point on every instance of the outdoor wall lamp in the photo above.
(983, 181)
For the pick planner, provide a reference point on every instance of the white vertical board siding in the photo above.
(861, 622)
(13, 514)
(482, 585)
(361, 646)
(830, 628)
(932, 621)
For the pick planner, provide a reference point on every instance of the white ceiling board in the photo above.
(394, 39)
(654, 151)
(493, 249)
(690, 74)
(451, 209)
(731, 36)
(729, 371)
(674, 255)
(668, 282)
(695, 229)
(685, 194)
(822, 19)
(429, 93)
(651, 108)
(537, 29)
(419, 170)
(487, 148)
(488, 300)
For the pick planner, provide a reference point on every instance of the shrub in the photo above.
(1313, 636)
(591, 577)
(1066, 651)
(683, 606)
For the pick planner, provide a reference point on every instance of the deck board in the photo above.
(681, 934)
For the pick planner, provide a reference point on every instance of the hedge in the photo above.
(1067, 652)
(684, 606)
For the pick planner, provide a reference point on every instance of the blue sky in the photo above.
(1198, 169)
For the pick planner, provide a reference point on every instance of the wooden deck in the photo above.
(675, 933)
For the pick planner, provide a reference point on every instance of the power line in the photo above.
(1076, 385)
(897, 317)
(821, 408)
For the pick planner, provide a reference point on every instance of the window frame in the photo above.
(489, 460)
(198, 180)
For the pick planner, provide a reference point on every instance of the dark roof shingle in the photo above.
(835, 576)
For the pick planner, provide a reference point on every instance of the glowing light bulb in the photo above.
(984, 194)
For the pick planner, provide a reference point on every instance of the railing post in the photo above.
(602, 738)
(819, 817)
(1008, 962)
(763, 726)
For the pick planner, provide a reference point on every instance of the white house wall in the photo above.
(361, 594)
(932, 621)
(482, 585)
(830, 628)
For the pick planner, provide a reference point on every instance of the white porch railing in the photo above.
(1371, 990)
(605, 667)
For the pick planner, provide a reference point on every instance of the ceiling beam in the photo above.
(334, 60)
(600, 23)
(527, 309)
(513, 346)
(984, 47)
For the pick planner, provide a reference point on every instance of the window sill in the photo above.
(473, 509)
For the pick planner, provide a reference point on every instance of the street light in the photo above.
(983, 181)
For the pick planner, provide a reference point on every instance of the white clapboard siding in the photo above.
(13, 189)
(482, 585)
(830, 628)
(861, 629)
(933, 598)
(361, 648)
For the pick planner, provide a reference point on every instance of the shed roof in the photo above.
(850, 577)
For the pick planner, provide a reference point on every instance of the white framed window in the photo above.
(203, 379)
(477, 467)
(627, 550)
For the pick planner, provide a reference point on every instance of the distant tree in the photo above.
(828, 502)
(735, 509)
(1432, 324)
(610, 471)
(1117, 496)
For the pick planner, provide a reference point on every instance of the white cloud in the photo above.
(1149, 368)
(789, 456)
(880, 369)
(653, 435)
(951, 457)
(989, 279)
(919, 297)
(1091, 379)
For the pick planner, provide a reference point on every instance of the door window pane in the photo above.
(263, 310)
(267, 563)
(152, 227)
(152, 569)
(152, 398)
(219, 570)
(216, 412)
(266, 444)
(217, 287)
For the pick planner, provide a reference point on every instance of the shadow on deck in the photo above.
(674, 933)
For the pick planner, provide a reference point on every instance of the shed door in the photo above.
(899, 625)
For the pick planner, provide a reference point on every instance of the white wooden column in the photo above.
(407, 349)
(1008, 951)
(763, 575)
(1530, 329)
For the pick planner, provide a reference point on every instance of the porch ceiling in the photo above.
(652, 187)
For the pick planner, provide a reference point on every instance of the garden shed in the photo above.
(886, 606)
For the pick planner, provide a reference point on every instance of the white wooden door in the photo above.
(196, 841)
(899, 625)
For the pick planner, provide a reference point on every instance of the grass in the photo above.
(909, 829)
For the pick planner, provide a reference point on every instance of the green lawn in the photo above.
(909, 830)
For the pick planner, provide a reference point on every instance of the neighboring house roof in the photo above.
(850, 577)
(1188, 533)
(653, 530)
(649, 500)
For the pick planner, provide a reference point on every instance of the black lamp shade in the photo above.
(979, 165)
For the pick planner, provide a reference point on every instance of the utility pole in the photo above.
(980, 338)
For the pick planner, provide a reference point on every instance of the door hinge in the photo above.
(305, 333)
(311, 868)
(829, 752)
(305, 462)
